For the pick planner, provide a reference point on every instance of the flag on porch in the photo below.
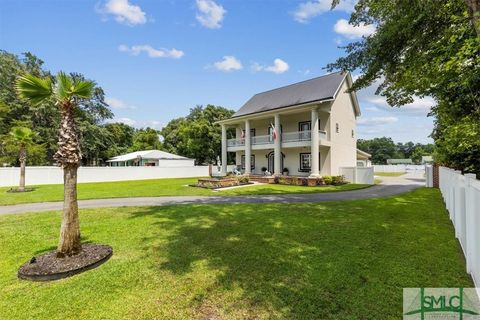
(242, 136)
(274, 131)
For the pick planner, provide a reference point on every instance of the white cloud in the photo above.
(124, 12)
(228, 63)
(418, 104)
(350, 31)
(154, 124)
(376, 121)
(372, 109)
(304, 72)
(127, 121)
(369, 101)
(210, 14)
(279, 66)
(152, 52)
(308, 10)
(118, 104)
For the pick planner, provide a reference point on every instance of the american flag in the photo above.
(274, 131)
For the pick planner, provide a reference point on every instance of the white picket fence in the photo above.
(398, 167)
(363, 175)
(54, 175)
(461, 194)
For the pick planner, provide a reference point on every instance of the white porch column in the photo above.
(314, 148)
(224, 149)
(277, 149)
(248, 148)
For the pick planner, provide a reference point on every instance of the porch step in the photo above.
(262, 179)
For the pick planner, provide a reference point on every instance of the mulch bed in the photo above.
(217, 188)
(15, 190)
(48, 267)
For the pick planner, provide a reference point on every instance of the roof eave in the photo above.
(273, 111)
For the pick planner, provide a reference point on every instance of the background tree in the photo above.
(45, 118)
(68, 95)
(196, 136)
(381, 149)
(21, 138)
(146, 139)
(424, 48)
(121, 139)
(384, 148)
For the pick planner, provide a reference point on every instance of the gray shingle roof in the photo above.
(316, 89)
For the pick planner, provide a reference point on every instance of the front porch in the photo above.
(294, 161)
(297, 140)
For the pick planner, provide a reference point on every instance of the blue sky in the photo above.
(157, 59)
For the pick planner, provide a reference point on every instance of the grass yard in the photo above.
(389, 174)
(153, 188)
(333, 260)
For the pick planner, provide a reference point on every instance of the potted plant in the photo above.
(264, 169)
(285, 171)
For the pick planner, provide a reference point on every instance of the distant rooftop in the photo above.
(399, 161)
(147, 154)
(316, 89)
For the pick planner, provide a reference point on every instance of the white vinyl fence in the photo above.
(461, 194)
(398, 168)
(363, 175)
(54, 175)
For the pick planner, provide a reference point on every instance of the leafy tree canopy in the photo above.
(424, 48)
(384, 148)
(196, 136)
(45, 117)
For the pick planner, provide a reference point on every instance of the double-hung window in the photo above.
(305, 162)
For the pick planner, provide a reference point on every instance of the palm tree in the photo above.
(23, 137)
(67, 94)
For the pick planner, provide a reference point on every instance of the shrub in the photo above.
(264, 169)
(319, 182)
(303, 181)
(276, 180)
(328, 179)
(243, 179)
(294, 181)
(285, 171)
(336, 180)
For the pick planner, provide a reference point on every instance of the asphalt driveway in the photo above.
(389, 186)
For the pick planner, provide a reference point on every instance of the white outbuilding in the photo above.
(150, 158)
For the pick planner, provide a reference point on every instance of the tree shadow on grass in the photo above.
(306, 261)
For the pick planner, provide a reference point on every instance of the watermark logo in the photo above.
(440, 303)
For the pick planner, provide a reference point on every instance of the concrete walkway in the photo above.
(389, 186)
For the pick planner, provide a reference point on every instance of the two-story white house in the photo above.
(308, 128)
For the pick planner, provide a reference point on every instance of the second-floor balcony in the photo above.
(287, 138)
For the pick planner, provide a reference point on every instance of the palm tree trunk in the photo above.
(70, 230)
(474, 13)
(23, 159)
(69, 155)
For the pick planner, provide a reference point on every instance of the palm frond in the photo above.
(33, 89)
(83, 89)
(64, 87)
(69, 88)
(22, 134)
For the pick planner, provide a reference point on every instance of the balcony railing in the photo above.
(301, 136)
(296, 136)
(262, 140)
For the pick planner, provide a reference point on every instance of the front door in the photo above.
(271, 162)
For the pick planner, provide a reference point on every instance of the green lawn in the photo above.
(152, 188)
(333, 260)
(389, 174)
